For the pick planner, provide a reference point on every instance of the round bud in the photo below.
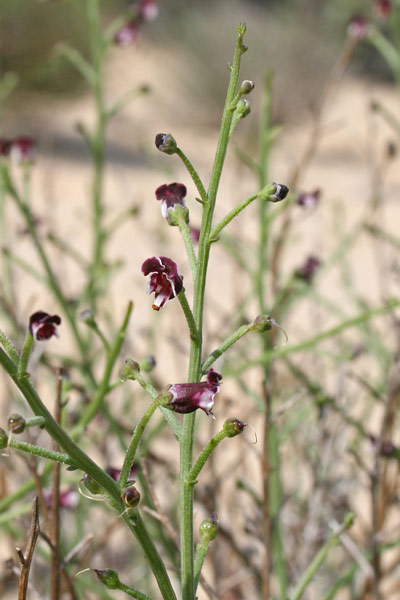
(148, 363)
(165, 142)
(16, 423)
(209, 528)
(130, 496)
(87, 317)
(92, 486)
(109, 578)
(262, 323)
(130, 369)
(233, 427)
(246, 87)
(280, 192)
(242, 108)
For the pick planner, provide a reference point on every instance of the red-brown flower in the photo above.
(164, 279)
(188, 397)
(42, 326)
(171, 195)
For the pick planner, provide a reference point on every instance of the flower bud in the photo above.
(130, 496)
(241, 29)
(109, 578)
(92, 486)
(16, 423)
(130, 369)
(242, 109)
(233, 427)
(262, 323)
(246, 87)
(3, 439)
(209, 528)
(280, 193)
(165, 142)
(87, 317)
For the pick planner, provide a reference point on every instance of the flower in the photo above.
(357, 27)
(42, 326)
(308, 199)
(23, 149)
(383, 7)
(171, 195)
(164, 279)
(308, 269)
(127, 34)
(188, 397)
(195, 234)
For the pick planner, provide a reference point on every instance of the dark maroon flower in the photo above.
(23, 149)
(386, 449)
(69, 498)
(308, 199)
(127, 34)
(309, 269)
(188, 397)
(164, 279)
(357, 27)
(170, 195)
(195, 234)
(42, 326)
(5, 147)
(383, 7)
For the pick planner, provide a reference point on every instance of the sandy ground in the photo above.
(347, 163)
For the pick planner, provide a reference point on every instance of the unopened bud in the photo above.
(165, 142)
(242, 109)
(109, 578)
(3, 439)
(91, 485)
(280, 193)
(16, 423)
(262, 323)
(233, 427)
(87, 317)
(209, 528)
(246, 86)
(130, 370)
(130, 496)
(241, 29)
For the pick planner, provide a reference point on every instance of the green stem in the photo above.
(84, 463)
(194, 175)
(103, 387)
(186, 448)
(9, 347)
(202, 549)
(269, 355)
(132, 592)
(187, 239)
(194, 334)
(134, 443)
(204, 455)
(230, 216)
(43, 452)
(319, 560)
(24, 358)
(223, 347)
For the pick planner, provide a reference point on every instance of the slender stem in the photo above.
(194, 175)
(43, 452)
(230, 216)
(24, 358)
(187, 239)
(186, 448)
(132, 592)
(194, 334)
(227, 343)
(84, 463)
(204, 455)
(9, 347)
(270, 354)
(103, 387)
(319, 560)
(134, 443)
(202, 549)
